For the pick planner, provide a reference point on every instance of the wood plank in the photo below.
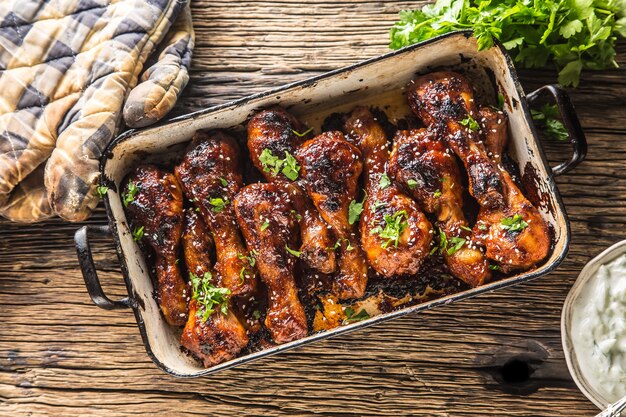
(60, 355)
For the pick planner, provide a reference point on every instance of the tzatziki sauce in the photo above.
(599, 330)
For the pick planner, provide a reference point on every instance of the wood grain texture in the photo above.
(60, 355)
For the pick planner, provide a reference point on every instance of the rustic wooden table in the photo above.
(498, 354)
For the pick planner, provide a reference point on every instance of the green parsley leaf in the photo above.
(288, 166)
(513, 224)
(412, 183)
(137, 233)
(209, 297)
(256, 314)
(574, 35)
(500, 101)
(394, 226)
(223, 182)
(336, 245)
(291, 169)
(251, 259)
(300, 135)
(296, 214)
(354, 211)
(449, 246)
(470, 123)
(546, 118)
(129, 196)
(482, 226)
(265, 225)
(384, 182)
(493, 267)
(437, 194)
(352, 317)
(456, 243)
(349, 247)
(218, 204)
(101, 190)
(293, 252)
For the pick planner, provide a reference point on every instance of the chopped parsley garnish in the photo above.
(500, 101)
(378, 204)
(412, 183)
(137, 233)
(300, 135)
(218, 204)
(250, 258)
(242, 275)
(394, 227)
(129, 196)
(256, 314)
(265, 225)
(336, 245)
(548, 122)
(288, 166)
(223, 181)
(293, 252)
(494, 267)
(470, 123)
(101, 190)
(296, 214)
(384, 182)
(354, 211)
(437, 194)
(352, 317)
(349, 247)
(456, 243)
(209, 297)
(513, 224)
(482, 226)
(449, 246)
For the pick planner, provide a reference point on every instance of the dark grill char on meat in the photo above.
(268, 222)
(281, 133)
(210, 174)
(157, 206)
(445, 102)
(331, 167)
(222, 336)
(404, 256)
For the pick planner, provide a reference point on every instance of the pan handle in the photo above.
(87, 266)
(571, 123)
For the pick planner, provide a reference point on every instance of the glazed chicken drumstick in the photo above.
(511, 228)
(395, 234)
(268, 222)
(429, 173)
(212, 337)
(155, 207)
(275, 135)
(210, 174)
(331, 167)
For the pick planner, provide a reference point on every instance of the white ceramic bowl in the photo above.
(573, 362)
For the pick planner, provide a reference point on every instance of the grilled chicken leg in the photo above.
(405, 247)
(155, 208)
(265, 215)
(426, 170)
(221, 336)
(210, 174)
(276, 132)
(511, 228)
(331, 167)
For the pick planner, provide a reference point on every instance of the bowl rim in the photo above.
(591, 267)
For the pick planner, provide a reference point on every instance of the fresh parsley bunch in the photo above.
(574, 34)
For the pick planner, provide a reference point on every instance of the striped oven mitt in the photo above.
(69, 71)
